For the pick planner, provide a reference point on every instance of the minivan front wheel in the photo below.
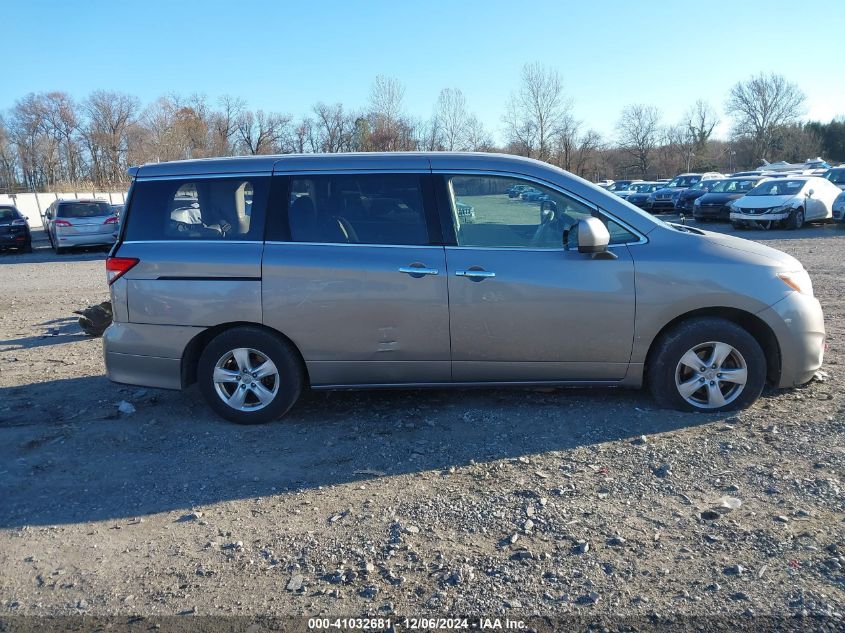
(249, 376)
(707, 364)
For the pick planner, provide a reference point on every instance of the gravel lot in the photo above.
(440, 502)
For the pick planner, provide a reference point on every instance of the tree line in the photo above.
(51, 141)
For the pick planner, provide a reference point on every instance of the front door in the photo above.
(353, 279)
(522, 307)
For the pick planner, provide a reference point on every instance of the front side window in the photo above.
(384, 209)
(485, 214)
(198, 209)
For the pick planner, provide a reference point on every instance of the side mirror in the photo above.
(810, 193)
(591, 235)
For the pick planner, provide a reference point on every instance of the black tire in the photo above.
(291, 375)
(665, 360)
(795, 219)
(27, 248)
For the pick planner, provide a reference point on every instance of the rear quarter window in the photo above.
(225, 209)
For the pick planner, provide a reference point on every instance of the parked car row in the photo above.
(806, 193)
(67, 223)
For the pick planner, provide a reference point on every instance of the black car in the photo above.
(664, 199)
(687, 197)
(642, 190)
(714, 205)
(14, 229)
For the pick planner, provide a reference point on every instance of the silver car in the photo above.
(74, 223)
(259, 277)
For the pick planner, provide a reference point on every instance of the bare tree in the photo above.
(224, 125)
(333, 128)
(62, 122)
(639, 134)
(389, 129)
(477, 139)
(261, 132)
(700, 121)
(536, 112)
(589, 144)
(110, 118)
(451, 118)
(760, 106)
(8, 177)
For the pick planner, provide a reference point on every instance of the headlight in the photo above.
(799, 281)
(785, 208)
(697, 202)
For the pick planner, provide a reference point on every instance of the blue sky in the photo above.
(285, 56)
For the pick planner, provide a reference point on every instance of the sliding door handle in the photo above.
(475, 275)
(418, 271)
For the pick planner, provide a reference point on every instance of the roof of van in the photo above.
(319, 162)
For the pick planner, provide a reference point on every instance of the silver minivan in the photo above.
(259, 277)
(72, 223)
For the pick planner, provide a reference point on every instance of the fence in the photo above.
(32, 205)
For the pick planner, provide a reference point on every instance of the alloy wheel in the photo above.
(711, 375)
(246, 379)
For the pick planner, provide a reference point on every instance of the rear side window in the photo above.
(83, 210)
(198, 209)
(358, 209)
(8, 213)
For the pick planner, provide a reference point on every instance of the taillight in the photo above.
(62, 223)
(20, 222)
(116, 267)
(111, 220)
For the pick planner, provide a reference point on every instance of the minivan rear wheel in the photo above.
(707, 364)
(248, 375)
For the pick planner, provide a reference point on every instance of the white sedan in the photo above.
(788, 202)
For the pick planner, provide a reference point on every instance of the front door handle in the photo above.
(475, 275)
(418, 270)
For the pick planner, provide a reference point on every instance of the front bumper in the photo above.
(761, 217)
(660, 205)
(797, 321)
(711, 213)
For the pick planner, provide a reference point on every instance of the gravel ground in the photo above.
(439, 502)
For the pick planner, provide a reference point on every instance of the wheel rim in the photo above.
(711, 375)
(799, 219)
(246, 379)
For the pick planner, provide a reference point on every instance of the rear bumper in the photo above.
(798, 323)
(94, 239)
(146, 355)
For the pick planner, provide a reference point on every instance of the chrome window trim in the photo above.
(350, 172)
(348, 244)
(190, 241)
(509, 174)
(219, 176)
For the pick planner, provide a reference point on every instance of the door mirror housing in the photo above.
(810, 193)
(591, 235)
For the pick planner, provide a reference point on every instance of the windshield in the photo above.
(836, 176)
(734, 186)
(684, 181)
(84, 210)
(781, 187)
(704, 185)
(620, 185)
(641, 187)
